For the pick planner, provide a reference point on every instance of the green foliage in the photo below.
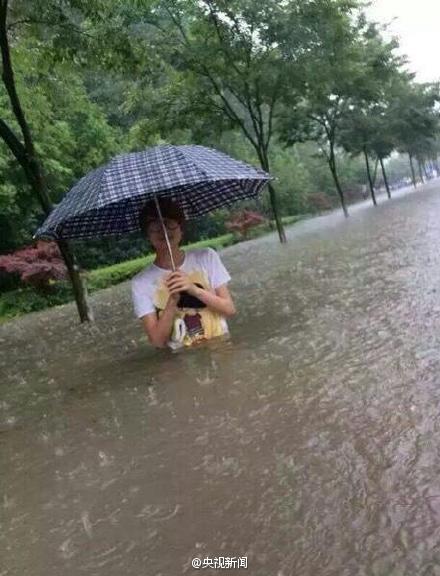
(110, 275)
(72, 136)
(24, 300)
(346, 73)
(398, 168)
(415, 113)
(296, 86)
(95, 253)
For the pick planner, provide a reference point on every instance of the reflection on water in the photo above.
(309, 443)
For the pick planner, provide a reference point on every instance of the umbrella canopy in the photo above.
(108, 200)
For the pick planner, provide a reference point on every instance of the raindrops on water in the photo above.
(313, 436)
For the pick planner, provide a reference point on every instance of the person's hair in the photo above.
(169, 209)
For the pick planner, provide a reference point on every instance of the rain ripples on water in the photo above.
(309, 444)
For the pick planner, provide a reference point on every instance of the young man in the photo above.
(186, 306)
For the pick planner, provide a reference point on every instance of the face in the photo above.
(157, 236)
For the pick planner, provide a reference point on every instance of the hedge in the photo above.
(24, 300)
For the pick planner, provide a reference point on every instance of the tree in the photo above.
(26, 155)
(382, 141)
(345, 76)
(415, 119)
(356, 134)
(226, 50)
(39, 265)
(223, 63)
(70, 132)
(369, 131)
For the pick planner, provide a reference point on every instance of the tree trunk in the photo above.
(332, 164)
(264, 161)
(79, 288)
(385, 179)
(420, 171)
(413, 174)
(78, 284)
(425, 171)
(279, 223)
(370, 181)
(27, 157)
(376, 165)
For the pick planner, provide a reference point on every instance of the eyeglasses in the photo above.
(156, 226)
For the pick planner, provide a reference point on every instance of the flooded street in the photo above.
(310, 444)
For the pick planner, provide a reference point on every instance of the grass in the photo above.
(25, 300)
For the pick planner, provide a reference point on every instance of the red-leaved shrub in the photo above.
(38, 265)
(241, 223)
(320, 201)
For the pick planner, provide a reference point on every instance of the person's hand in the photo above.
(177, 282)
(174, 298)
(173, 295)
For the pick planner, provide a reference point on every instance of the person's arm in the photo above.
(220, 302)
(159, 330)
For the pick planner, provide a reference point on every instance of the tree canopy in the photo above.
(294, 86)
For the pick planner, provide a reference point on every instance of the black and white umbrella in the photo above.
(107, 201)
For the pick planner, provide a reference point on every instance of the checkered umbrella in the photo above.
(108, 200)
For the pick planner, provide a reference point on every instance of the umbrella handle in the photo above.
(165, 232)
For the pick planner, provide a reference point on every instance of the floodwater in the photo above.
(310, 444)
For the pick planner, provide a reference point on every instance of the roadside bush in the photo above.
(319, 202)
(39, 265)
(27, 299)
(242, 222)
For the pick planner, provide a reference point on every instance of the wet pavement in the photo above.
(310, 444)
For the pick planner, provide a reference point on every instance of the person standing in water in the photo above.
(189, 305)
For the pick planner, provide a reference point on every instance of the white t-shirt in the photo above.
(193, 321)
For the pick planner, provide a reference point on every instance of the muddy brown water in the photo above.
(310, 444)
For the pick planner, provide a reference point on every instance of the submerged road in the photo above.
(310, 445)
